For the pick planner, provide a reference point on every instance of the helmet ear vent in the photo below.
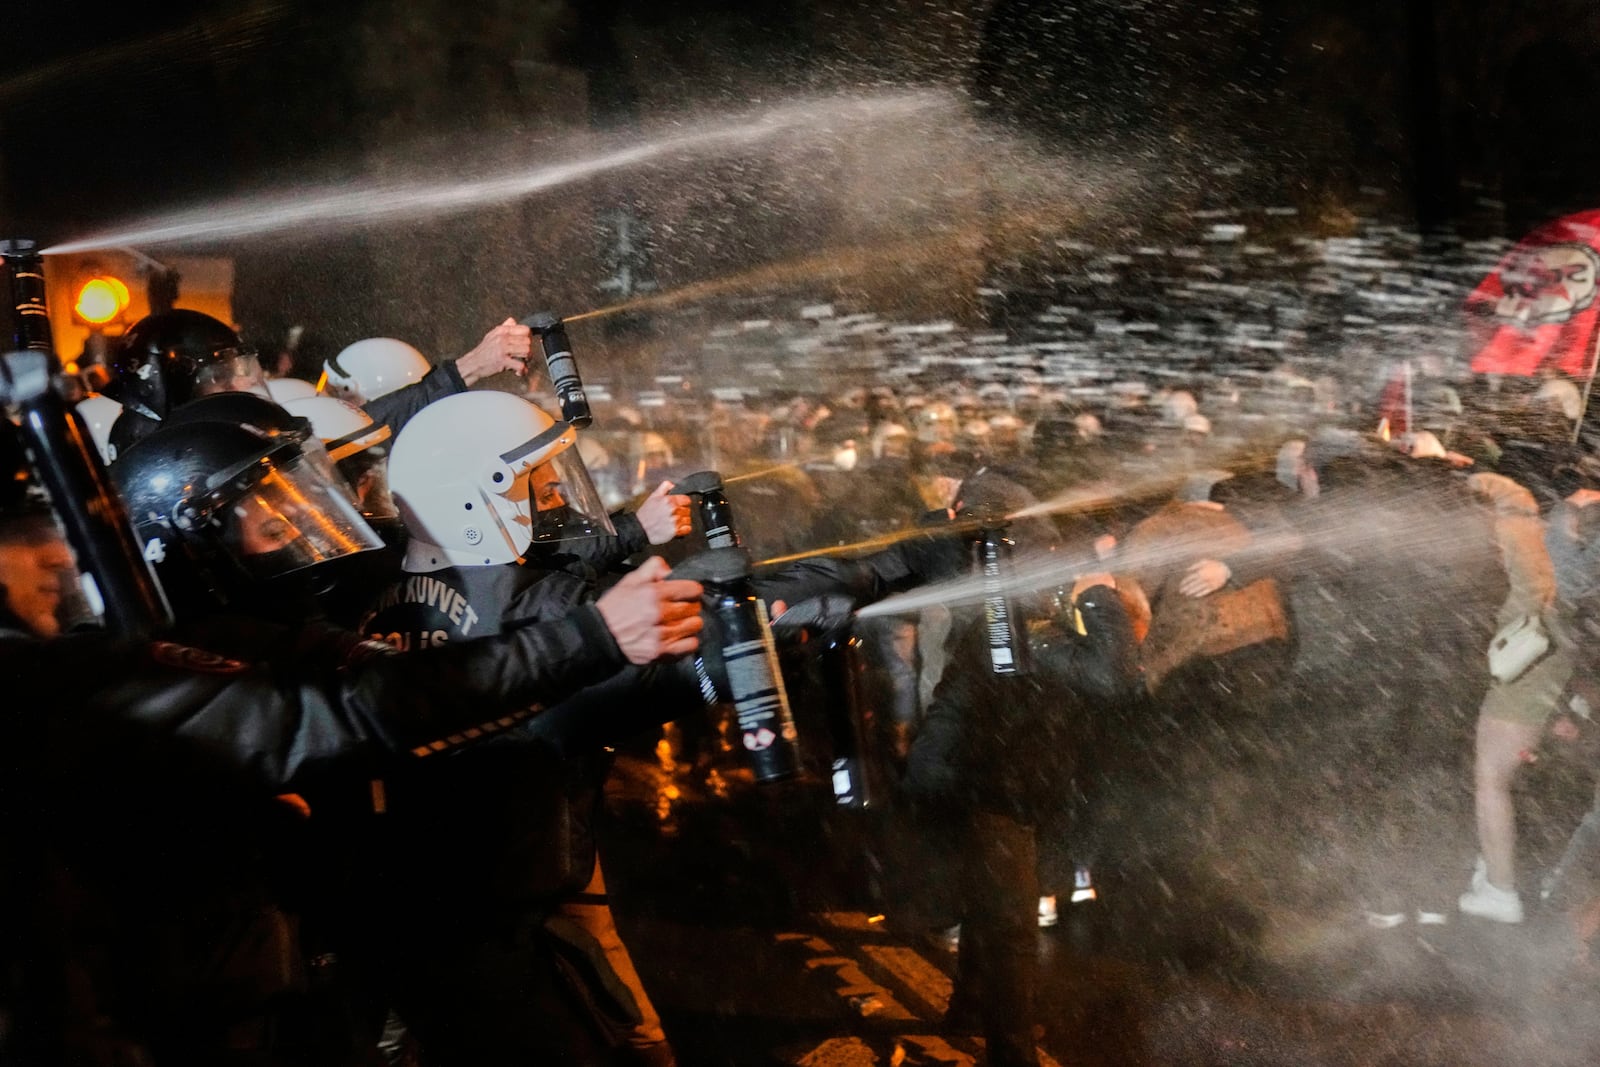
(185, 516)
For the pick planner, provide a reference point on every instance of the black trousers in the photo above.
(997, 971)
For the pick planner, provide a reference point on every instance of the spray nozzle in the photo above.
(987, 517)
(716, 517)
(699, 484)
(718, 566)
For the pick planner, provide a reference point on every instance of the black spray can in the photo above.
(1008, 638)
(25, 297)
(849, 721)
(750, 678)
(716, 515)
(563, 368)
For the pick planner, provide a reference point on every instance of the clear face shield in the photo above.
(298, 515)
(232, 370)
(566, 505)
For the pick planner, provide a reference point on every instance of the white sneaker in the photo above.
(1048, 916)
(1083, 885)
(1489, 901)
(1384, 920)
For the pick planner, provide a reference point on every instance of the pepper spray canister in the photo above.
(750, 678)
(1007, 636)
(563, 368)
(716, 515)
(25, 297)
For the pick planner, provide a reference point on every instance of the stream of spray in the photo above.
(197, 43)
(1089, 498)
(763, 472)
(836, 263)
(393, 201)
(1096, 496)
(1367, 529)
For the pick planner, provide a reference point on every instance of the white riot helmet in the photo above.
(344, 428)
(355, 445)
(98, 413)
(372, 368)
(283, 390)
(480, 476)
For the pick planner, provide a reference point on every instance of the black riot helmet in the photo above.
(220, 407)
(248, 409)
(170, 358)
(223, 506)
(244, 409)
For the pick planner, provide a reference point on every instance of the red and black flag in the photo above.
(1540, 302)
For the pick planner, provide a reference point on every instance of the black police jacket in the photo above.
(597, 554)
(320, 704)
(934, 553)
(399, 407)
(508, 824)
(142, 837)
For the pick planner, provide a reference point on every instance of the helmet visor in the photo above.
(296, 516)
(232, 370)
(566, 505)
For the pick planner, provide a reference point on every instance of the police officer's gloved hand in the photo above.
(822, 616)
(942, 550)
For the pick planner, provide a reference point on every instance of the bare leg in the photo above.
(1499, 754)
(591, 911)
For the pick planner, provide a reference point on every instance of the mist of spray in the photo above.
(395, 201)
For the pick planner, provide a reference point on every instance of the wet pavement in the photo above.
(770, 929)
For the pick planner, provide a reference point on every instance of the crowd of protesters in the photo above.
(1322, 724)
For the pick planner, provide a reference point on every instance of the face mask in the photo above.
(279, 561)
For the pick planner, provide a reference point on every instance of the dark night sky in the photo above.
(157, 103)
(161, 105)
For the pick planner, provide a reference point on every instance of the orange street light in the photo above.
(100, 300)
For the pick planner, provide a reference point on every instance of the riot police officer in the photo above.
(501, 946)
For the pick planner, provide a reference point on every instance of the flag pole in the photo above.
(1583, 408)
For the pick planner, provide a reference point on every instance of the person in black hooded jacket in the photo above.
(997, 755)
